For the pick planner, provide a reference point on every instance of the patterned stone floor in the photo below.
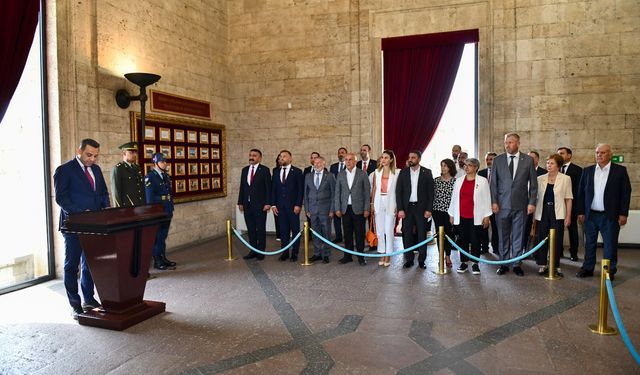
(270, 317)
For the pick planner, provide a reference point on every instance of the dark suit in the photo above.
(414, 211)
(574, 172)
(337, 221)
(371, 166)
(527, 229)
(285, 196)
(513, 194)
(74, 194)
(617, 198)
(253, 198)
(484, 238)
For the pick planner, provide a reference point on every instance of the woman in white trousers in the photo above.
(383, 204)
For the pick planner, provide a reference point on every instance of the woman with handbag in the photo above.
(383, 204)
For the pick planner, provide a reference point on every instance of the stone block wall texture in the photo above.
(305, 75)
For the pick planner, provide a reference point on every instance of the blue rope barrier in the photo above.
(616, 316)
(239, 235)
(377, 255)
(498, 262)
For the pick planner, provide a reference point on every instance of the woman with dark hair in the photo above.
(553, 210)
(443, 188)
(383, 203)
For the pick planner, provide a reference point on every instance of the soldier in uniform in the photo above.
(126, 178)
(157, 186)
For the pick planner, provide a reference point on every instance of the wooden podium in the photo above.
(117, 243)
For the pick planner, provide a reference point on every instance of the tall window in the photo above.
(25, 241)
(458, 124)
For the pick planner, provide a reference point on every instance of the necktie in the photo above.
(284, 175)
(251, 176)
(364, 166)
(341, 167)
(317, 180)
(489, 174)
(511, 165)
(564, 168)
(86, 172)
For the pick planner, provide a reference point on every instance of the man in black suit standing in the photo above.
(253, 201)
(365, 163)
(484, 240)
(574, 172)
(536, 159)
(535, 155)
(414, 199)
(603, 203)
(336, 168)
(286, 202)
(312, 159)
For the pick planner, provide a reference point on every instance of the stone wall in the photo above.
(97, 42)
(306, 75)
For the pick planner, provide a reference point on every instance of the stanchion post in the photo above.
(441, 270)
(306, 245)
(601, 327)
(229, 242)
(552, 256)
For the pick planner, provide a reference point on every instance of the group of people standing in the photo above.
(513, 196)
(80, 186)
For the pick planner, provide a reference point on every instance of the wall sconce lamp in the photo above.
(143, 80)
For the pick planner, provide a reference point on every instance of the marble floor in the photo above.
(271, 317)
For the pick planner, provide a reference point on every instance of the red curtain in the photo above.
(18, 21)
(419, 72)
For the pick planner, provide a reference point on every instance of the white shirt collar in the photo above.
(606, 167)
(255, 166)
(517, 154)
(79, 161)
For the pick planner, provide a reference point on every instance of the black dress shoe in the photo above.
(502, 270)
(249, 256)
(294, 259)
(362, 262)
(584, 273)
(283, 257)
(90, 305)
(345, 260)
(325, 260)
(518, 271)
(408, 264)
(574, 259)
(422, 265)
(75, 311)
(159, 264)
(167, 261)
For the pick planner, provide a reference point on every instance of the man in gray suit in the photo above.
(352, 204)
(319, 197)
(514, 191)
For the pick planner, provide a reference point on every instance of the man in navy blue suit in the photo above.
(336, 168)
(79, 186)
(286, 202)
(603, 203)
(253, 201)
(157, 188)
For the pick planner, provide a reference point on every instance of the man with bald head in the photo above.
(603, 203)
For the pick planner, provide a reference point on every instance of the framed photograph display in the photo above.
(195, 151)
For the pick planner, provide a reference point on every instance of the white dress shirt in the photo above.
(350, 177)
(599, 183)
(284, 172)
(255, 169)
(415, 175)
(515, 162)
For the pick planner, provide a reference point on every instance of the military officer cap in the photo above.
(129, 146)
(158, 157)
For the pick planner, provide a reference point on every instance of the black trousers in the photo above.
(527, 233)
(547, 222)
(353, 224)
(469, 234)
(256, 220)
(414, 219)
(441, 219)
(484, 237)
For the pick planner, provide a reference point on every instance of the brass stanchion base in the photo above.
(229, 259)
(445, 272)
(554, 277)
(607, 331)
(306, 263)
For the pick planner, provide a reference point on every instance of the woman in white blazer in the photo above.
(555, 200)
(469, 211)
(383, 203)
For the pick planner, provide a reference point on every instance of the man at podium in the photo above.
(79, 186)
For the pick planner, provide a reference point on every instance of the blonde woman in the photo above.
(384, 203)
